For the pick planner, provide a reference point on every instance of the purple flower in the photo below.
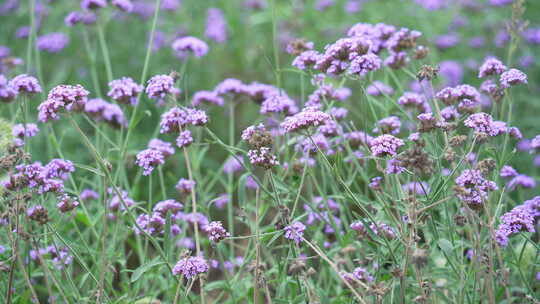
(215, 231)
(500, 2)
(7, 93)
(521, 218)
(231, 86)
(185, 186)
(148, 159)
(216, 25)
(393, 166)
(25, 84)
(159, 86)
(165, 206)
(521, 180)
(337, 56)
(473, 187)
(190, 267)
(170, 5)
(262, 157)
(447, 41)
(352, 6)
(378, 88)
(210, 97)
(124, 90)
(162, 146)
(49, 110)
(184, 139)
(117, 202)
(93, 4)
(73, 18)
(388, 125)
(375, 183)
(508, 171)
(89, 194)
(72, 97)
(414, 101)
(361, 65)
(53, 42)
(309, 116)
(232, 164)
(186, 45)
(484, 123)
(491, 66)
(416, 188)
(362, 274)
(67, 203)
(295, 231)
(512, 77)
(452, 71)
(385, 145)
(306, 59)
(279, 104)
(123, 5)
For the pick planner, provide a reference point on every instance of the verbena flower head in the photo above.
(215, 231)
(184, 139)
(73, 97)
(7, 93)
(484, 123)
(73, 18)
(278, 104)
(190, 267)
(169, 205)
(93, 4)
(119, 202)
(390, 125)
(38, 213)
(210, 97)
(385, 145)
(89, 194)
(162, 146)
(306, 60)
(361, 65)
(508, 171)
(123, 5)
(295, 231)
(521, 218)
(25, 84)
(378, 88)
(411, 100)
(262, 157)
(185, 186)
(159, 86)
(189, 45)
(491, 66)
(216, 25)
(521, 180)
(176, 118)
(149, 159)
(67, 203)
(232, 87)
(308, 117)
(512, 77)
(124, 90)
(473, 188)
(53, 42)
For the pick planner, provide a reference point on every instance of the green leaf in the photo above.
(445, 245)
(144, 268)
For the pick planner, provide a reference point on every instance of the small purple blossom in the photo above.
(215, 231)
(512, 77)
(190, 267)
(124, 90)
(385, 145)
(53, 42)
(184, 139)
(189, 45)
(148, 159)
(295, 231)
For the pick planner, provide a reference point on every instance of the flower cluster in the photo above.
(521, 218)
(189, 45)
(160, 86)
(215, 231)
(190, 267)
(100, 110)
(72, 98)
(124, 90)
(154, 155)
(472, 188)
(295, 231)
